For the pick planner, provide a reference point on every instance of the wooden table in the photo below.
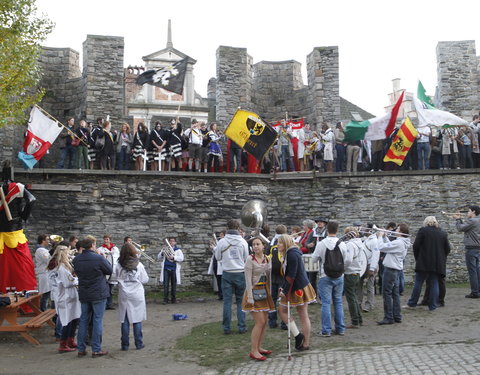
(9, 317)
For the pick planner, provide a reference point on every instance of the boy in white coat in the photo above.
(170, 270)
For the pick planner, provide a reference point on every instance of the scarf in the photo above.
(109, 247)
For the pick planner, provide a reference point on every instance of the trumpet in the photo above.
(462, 214)
(141, 250)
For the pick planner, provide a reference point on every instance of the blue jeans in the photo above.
(98, 309)
(169, 278)
(401, 282)
(331, 291)
(44, 301)
(123, 159)
(391, 295)
(340, 161)
(69, 330)
(110, 297)
(423, 150)
(233, 283)
(235, 153)
(472, 259)
(286, 158)
(137, 334)
(432, 280)
(467, 156)
(67, 152)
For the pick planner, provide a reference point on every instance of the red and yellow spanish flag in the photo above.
(401, 143)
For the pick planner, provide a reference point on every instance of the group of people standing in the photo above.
(163, 148)
(256, 273)
(78, 278)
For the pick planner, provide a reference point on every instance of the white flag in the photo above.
(435, 117)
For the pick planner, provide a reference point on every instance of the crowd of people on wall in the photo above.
(201, 148)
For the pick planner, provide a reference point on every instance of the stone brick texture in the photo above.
(152, 206)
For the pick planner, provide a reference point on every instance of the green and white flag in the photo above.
(374, 129)
(429, 115)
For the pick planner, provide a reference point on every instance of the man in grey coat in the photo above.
(471, 240)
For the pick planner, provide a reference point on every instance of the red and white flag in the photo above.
(42, 132)
(295, 125)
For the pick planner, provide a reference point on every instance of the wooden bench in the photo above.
(39, 320)
(9, 317)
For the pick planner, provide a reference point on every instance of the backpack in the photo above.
(100, 143)
(333, 265)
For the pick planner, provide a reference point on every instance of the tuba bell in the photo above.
(253, 214)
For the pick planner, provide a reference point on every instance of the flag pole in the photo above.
(59, 122)
(8, 214)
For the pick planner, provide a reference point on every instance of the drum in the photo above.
(363, 261)
(309, 265)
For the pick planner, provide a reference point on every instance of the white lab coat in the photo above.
(67, 303)
(42, 257)
(177, 257)
(131, 294)
(112, 257)
(210, 267)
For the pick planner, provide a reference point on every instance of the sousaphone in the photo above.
(253, 215)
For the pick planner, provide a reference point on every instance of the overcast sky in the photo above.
(378, 40)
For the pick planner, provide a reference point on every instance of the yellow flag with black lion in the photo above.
(250, 132)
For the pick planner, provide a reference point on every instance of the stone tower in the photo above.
(458, 77)
(323, 83)
(234, 82)
(103, 74)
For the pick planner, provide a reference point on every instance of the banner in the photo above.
(41, 133)
(251, 133)
(170, 78)
(401, 143)
(376, 128)
(295, 125)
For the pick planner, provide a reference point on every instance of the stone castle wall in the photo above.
(276, 88)
(458, 75)
(151, 206)
(97, 91)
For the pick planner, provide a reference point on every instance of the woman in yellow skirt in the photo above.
(257, 298)
(296, 289)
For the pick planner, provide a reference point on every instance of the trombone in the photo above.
(375, 229)
(141, 249)
(461, 214)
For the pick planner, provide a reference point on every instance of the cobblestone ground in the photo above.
(435, 358)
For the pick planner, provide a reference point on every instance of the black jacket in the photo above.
(430, 249)
(91, 269)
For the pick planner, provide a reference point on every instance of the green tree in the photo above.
(21, 33)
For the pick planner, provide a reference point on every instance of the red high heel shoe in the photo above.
(261, 358)
(265, 352)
